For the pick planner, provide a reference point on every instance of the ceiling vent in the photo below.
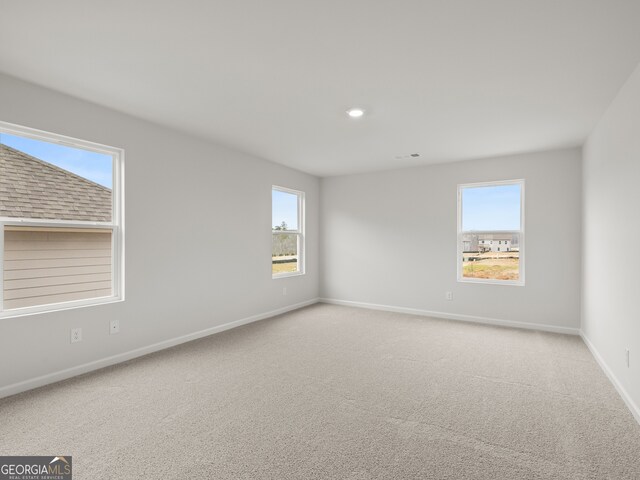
(405, 157)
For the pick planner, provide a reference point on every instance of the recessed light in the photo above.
(355, 112)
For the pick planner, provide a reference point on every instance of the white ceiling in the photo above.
(450, 79)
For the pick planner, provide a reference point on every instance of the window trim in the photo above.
(521, 241)
(300, 232)
(116, 225)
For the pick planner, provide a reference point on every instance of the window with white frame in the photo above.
(287, 232)
(491, 232)
(61, 222)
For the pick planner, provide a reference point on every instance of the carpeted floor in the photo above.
(339, 393)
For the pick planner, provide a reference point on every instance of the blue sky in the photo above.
(491, 208)
(284, 208)
(96, 167)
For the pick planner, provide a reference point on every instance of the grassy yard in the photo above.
(284, 267)
(492, 268)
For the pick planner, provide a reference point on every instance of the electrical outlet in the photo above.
(284, 290)
(114, 326)
(449, 295)
(627, 356)
(76, 335)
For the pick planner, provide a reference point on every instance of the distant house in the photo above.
(490, 242)
(45, 264)
(495, 242)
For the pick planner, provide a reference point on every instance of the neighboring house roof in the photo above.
(495, 236)
(32, 188)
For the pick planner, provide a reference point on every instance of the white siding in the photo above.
(52, 265)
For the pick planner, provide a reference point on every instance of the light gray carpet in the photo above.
(335, 392)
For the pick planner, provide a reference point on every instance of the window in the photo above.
(489, 215)
(61, 225)
(287, 232)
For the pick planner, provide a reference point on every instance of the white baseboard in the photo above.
(138, 352)
(635, 410)
(455, 316)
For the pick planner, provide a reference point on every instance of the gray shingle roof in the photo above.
(32, 188)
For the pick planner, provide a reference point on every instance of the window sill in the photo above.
(286, 275)
(492, 282)
(58, 307)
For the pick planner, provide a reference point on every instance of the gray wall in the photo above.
(198, 238)
(390, 238)
(611, 285)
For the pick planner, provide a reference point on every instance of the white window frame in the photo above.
(116, 226)
(521, 241)
(299, 232)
